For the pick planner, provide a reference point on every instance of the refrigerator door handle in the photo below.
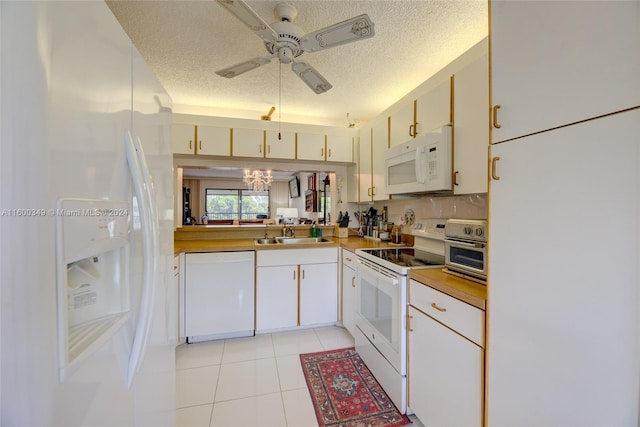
(143, 189)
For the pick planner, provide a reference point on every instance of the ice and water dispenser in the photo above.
(93, 289)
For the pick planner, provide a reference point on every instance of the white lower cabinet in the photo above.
(349, 291)
(302, 294)
(445, 363)
(276, 297)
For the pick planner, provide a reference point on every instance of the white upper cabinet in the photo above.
(311, 146)
(471, 128)
(402, 124)
(183, 139)
(248, 143)
(364, 160)
(339, 148)
(379, 146)
(556, 63)
(374, 142)
(214, 141)
(283, 148)
(433, 109)
(429, 111)
(204, 140)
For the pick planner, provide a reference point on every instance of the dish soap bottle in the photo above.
(314, 230)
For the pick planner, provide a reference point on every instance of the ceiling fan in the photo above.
(286, 41)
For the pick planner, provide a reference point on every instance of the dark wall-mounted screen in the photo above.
(294, 187)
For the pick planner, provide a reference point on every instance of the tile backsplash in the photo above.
(471, 206)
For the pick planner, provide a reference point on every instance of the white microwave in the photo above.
(421, 165)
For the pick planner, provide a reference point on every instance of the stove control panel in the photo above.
(429, 228)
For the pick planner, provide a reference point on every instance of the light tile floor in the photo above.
(254, 381)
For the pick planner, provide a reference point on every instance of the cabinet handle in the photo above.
(348, 259)
(373, 191)
(415, 129)
(409, 328)
(200, 145)
(269, 149)
(495, 117)
(294, 275)
(369, 192)
(411, 131)
(353, 282)
(302, 274)
(322, 152)
(434, 305)
(190, 144)
(455, 177)
(329, 155)
(494, 175)
(260, 148)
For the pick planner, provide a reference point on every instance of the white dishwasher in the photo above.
(220, 295)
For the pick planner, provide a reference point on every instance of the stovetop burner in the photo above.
(427, 252)
(407, 257)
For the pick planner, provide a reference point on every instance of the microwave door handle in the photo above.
(420, 166)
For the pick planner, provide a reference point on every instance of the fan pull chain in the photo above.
(280, 103)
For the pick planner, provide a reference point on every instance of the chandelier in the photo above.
(257, 180)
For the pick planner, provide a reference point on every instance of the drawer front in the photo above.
(349, 259)
(463, 318)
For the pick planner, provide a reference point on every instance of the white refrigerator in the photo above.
(88, 311)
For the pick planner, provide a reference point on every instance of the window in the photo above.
(236, 204)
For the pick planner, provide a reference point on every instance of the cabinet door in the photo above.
(339, 148)
(555, 63)
(364, 162)
(402, 124)
(379, 146)
(283, 148)
(214, 141)
(471, 128)
(583, 294)
(445, 374)
(433, 109)
(183, 139)
(248, 143)
(318, 294)
(349, 292)
(276, 297)
(311, 147)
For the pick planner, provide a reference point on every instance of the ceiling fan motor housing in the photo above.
(289, 36)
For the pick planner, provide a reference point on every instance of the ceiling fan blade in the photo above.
(351, 30)
(243, 67)
(311, 77)
(244, 13)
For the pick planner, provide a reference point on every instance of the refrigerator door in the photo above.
(67, 77)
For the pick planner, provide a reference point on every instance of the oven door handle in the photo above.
(379, 275)
(478, 245)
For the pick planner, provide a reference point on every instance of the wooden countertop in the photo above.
(225, 245)
(458, 287)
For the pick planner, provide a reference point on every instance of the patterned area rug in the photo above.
(345, 393)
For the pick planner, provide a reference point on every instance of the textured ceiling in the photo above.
(185, 42)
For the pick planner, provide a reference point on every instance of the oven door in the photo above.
(381, 297)
(466, 257)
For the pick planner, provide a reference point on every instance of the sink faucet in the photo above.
(288, 230)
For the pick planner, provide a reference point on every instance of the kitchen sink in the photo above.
(290, 240)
